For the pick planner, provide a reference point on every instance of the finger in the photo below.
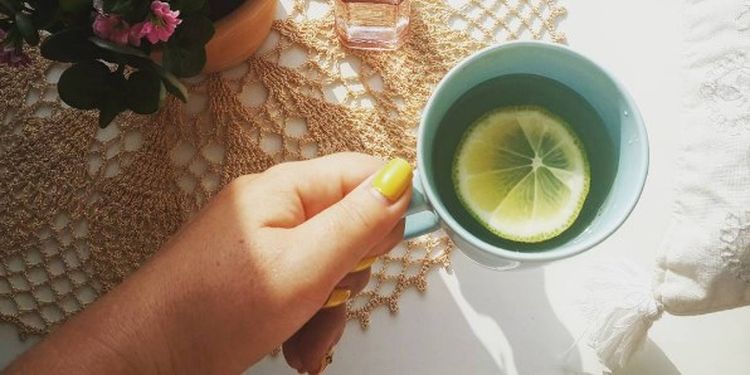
(317, 183)
(345, 231)
(317, 187)
(291, 353)
(391, 240)
(313, 341)
(387, 244)
(357, 279)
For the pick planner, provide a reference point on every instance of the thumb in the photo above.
(340, 235)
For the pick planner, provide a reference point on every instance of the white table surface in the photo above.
(477, 321)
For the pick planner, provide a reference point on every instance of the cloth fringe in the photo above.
(620, 307)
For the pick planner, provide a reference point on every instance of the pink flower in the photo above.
(115, 29)
(10, 55)
(160, 26)
(13, 57)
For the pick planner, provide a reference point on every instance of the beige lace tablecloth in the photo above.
(81, 208)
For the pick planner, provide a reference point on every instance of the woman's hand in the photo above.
(251, 271)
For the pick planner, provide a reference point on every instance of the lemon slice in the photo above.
(523, 173)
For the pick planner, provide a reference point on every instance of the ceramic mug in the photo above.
(566, 83)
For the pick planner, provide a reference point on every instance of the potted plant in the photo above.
(241, 27)
(128, 54)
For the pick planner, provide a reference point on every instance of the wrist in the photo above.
(219, 313)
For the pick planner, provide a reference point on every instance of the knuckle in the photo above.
(281, 174)
(233, 190)
(281, 168)
(352, 155)
(357, 158)
(240, 183)
(368, 159)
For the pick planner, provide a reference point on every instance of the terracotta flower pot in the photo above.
(239, 34)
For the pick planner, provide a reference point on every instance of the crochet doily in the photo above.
(81, 208)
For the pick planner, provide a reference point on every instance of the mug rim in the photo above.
(566, 250)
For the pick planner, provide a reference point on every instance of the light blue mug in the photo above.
(570, 85)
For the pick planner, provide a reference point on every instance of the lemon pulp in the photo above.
(523, 173)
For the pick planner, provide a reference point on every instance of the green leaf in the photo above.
(109, 109)
(184, 53)
(74, 12)
(131, 10)
(75, 6)
(84, 85)
(118, 7)
(114, 100)
(188, 6)
(143, 92)
(12, 36)
(193, 32)
(173, 85)
(89, 85)
(45, 12)
(70, 45)
(219, 9)
(8, 6)
(116, 48)
(184, 62)
(26, 27)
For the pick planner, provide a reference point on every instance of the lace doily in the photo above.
(81, 208)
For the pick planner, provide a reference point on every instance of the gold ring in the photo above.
(327, 360)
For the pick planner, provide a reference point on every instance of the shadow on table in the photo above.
(430, 335)
(476, 321)
(510, 315)
(650, 360)
(11, 346)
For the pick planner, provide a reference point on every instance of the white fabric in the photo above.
(703, 265)
(621, 308)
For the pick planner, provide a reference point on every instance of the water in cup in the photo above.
(555, 190)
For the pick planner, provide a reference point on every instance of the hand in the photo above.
(250, 270)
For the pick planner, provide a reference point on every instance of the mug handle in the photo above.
(420, 219)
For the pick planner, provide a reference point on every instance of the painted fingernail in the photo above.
(392, 180)
(364, 264)
(337, 297)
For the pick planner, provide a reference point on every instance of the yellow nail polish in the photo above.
(393, 179)
(364, 264)
(337, 297)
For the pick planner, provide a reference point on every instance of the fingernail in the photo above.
(392, 180)
(337, 297)
(364, 264)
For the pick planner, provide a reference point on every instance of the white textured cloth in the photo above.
(703, 265)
